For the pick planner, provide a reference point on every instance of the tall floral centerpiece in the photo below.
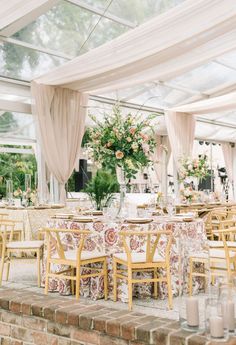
(193, 169)
(123, 143)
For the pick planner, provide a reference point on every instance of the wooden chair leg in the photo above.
(77, 285)
(170, 297)
(155, 284)
(8, 265)
(190, 284)
(72, 282)
(48, 266)
(130, 290)
(105, 279)
(38, 252)
(2, 262)
(114, 280)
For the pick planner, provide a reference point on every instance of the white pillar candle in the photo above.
(192, 311)
(216, 326)
(228, 315)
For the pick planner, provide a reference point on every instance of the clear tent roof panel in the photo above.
(67, 27)
(25, 64)
(135, 11)
(16, 125)
(206, 77)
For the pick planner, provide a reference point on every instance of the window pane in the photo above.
(22, 63)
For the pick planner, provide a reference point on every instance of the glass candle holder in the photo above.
(227, 296)
(9, 191)
(194, 259)
(216, 324)
(27, 182)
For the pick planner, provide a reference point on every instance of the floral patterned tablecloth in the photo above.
(104, 237)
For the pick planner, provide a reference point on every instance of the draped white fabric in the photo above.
(157, 50)
(210, 105)
(180, 129)
(14, 10)
(60, 118)
(163, 144)
(228, 152)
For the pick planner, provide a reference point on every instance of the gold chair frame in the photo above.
(75, 265)
(148, 265)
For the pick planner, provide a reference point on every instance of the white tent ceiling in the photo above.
(44, 34)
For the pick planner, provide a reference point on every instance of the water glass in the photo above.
(170, 209)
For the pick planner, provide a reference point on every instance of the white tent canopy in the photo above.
(201, 65)
(157, 50)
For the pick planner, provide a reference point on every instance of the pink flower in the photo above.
(145, 147)
(119, 154)
(132, 130)
(145, 137)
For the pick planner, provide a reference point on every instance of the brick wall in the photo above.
(28, 318)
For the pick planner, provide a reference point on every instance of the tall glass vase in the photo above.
(9, 191)
(120, 173)
(27, 182)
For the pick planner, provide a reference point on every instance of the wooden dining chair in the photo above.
(148, 261)
(10, 247)
(75, 259)
(221, 258)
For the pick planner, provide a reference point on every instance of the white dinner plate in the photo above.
(139, 220)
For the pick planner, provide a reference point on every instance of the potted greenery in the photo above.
(102, 188)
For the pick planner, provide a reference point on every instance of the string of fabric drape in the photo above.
(60, 120)
(161, 49)
(180, 129)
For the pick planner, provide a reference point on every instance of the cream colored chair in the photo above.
(75, 259)
(149, 261)
(9, 247)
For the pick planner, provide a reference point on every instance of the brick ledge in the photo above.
(31, 318)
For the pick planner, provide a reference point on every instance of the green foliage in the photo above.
(101, 188)
(14, 166)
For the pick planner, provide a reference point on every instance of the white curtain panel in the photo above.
(163, 143)
(60, 119)
(180, 129)
(160, 49)
(229, 159)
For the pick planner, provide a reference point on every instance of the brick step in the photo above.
(28, 318)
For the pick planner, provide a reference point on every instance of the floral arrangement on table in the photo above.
(123, 141)
(29, 195)
(194, 167)
(187, 194)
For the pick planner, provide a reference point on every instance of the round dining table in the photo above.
(104, 237)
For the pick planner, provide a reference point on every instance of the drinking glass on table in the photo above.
(162, 204)
(170, 209)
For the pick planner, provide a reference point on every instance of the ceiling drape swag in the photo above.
(60, 119)
(181, 130)
(184, 37)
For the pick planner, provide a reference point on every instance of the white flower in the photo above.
(134, 146)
